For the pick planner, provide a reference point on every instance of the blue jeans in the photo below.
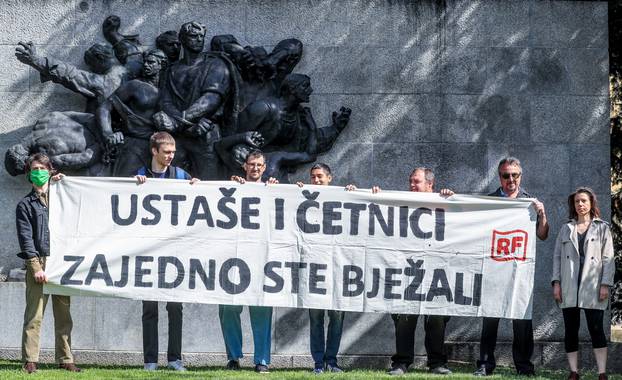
(320, 352)
(261, 324)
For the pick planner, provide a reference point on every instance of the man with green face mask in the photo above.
(33, 234)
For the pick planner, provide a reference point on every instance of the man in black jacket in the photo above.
(33, 234)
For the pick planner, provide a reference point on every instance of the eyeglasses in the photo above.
(255, 165)
(508, 175)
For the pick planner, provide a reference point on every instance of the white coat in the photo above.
(598, 267)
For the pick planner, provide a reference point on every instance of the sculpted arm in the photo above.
(103, 113)
(69, 76)
(74, 161)
(214, 88)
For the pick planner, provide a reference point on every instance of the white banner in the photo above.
(281, 245)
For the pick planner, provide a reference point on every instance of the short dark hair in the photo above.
(41, 158)
(509, 161)
(160, 138)
(428, 173)
(97, 53)
(594, 210)
(164, 37)
(292, 81)
(158, 54)
(192, 26)
(254, 154)
(321, 166)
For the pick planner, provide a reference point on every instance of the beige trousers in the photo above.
(33, 316)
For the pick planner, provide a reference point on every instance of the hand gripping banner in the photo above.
(282, 245)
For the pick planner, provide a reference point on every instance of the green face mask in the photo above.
(39, 177)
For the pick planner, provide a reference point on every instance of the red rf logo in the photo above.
(510, 245)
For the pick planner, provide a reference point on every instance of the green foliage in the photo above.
(615, 89)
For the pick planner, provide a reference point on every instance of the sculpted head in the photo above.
(99, 58)
(297, 85)
(169, 43)
(153, 61)
(15, 160)
(192, 36)
(286, 55)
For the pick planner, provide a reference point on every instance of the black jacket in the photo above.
(31, 217)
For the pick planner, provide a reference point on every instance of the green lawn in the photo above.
(12, 370)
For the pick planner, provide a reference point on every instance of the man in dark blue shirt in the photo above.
(162, 146)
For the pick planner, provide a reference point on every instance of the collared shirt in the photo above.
(43, 197)
(500, 193)
(521, 194)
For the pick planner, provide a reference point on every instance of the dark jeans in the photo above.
(405, 326)
(325, 350)
(594, 319)
(522, 345)
(150, 331)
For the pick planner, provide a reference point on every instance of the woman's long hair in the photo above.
(594, 210)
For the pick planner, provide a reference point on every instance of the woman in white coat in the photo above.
(583, 270)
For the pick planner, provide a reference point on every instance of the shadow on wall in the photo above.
(452, 85)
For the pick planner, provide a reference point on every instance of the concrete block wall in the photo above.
(453, 85)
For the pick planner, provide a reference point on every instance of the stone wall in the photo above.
(453, 85)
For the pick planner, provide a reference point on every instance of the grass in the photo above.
(13, 370)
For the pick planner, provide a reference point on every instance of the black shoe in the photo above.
(233, 365)
(260, 368)
(481, 371)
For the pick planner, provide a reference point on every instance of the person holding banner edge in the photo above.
(261, 316)
(324, 351)
(510, 175)
(31, 218)
(421, 179)
(162, 146)
(585, 243)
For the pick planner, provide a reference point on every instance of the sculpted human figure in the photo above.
(135, 101)
(169, 43)
(196, 101)
(285, 123)
(70, 139)
(96, 85)
(127, 48)
(265, 77)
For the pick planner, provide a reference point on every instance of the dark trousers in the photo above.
(522, 345)
(405, 326)
(150, 331)
(594, 319)
(325, 350)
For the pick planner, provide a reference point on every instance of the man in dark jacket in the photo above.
(510, 174)
(33, 234)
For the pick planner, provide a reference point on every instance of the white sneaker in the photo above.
(177, 365)
(151, 366)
